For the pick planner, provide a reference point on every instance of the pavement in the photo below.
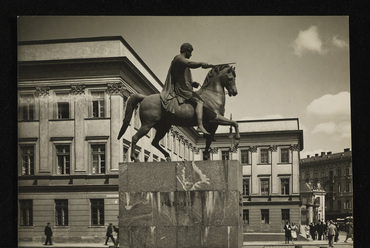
(261, 240)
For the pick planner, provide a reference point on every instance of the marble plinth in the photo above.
(180, 204)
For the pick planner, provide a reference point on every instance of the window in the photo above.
(27, 108)
(339, 188)
(347, 172)
(347, 205)
(264, 156)
(347, 187)
(331, 175)
(61, 212)
(146, 156)
(125, 154)
(285, 186)
(26, 212)
(246, 216)
(225, 155)
(264, 187)
(265, 216)
(244, 156)
(285, 215)
(245, 186)
(63, 159)
(97, 212)
(155, 158)
(97, 104)
(339, 205)
(339, 172)
(63, 110)
(98, 158)
(284, 155)
(28, 160)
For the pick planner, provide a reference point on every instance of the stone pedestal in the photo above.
(180, 204)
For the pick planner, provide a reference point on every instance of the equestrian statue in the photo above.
(179, 105)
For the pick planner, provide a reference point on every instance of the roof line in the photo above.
(282, 119)
(100, 38)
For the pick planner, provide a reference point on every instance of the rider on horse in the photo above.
(179, 84)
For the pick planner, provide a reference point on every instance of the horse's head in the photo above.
(227, 77)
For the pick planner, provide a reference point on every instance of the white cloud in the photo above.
(339, 43)
(337, 130)
(308, 40)
(330, 106)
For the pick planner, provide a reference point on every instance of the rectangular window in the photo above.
(265, 216)
(61, 212)
(98, 158)
(285, 186)
(285, 215)
(339, 172)
(265, 187)
(339, 205)
(97, 104)
(63, 110)
(347, 172)
(28, 160)
(146, 156)
(244, 156)
(347, 187)
(26, 212)
(264, 156)
(245, 186)
(339, 188)
(246, 216)
(225, 155)
(284, 155)
(97, 212)
(63, 159)
(27, 108)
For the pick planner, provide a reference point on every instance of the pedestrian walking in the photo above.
(49, 233)
(312, 230)
(332, 230)
(349, 230)
(110, 234)
(288, 232)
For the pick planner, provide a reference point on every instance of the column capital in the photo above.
(77, 89)
(42, 91)
(273, 148)
(294, 147)
(253, 149)
(117, 88)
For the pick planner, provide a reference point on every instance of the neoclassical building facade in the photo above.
(71, 103)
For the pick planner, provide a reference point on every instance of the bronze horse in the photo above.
(153, 115)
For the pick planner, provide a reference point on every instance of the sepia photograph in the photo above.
(184, 131)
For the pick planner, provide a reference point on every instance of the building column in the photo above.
(310, 214)
(274, 171)
(42, 94)
(295, 168)
(254, 178)
(116, 91)
(80, 113)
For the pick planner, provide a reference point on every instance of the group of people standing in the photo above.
(319, 230)
(291, 232)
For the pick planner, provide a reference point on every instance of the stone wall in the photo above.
(180, 204)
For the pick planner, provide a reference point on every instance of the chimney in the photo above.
(308, 156)
(328, 153)
(322, 154)
(316, 154)
(346, 150)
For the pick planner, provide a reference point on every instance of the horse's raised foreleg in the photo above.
(158, 136)
(144, 129)
(221, 120)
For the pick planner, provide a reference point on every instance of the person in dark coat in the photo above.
(288, 232)
(312, 230)
(49, 233)
(110, 234)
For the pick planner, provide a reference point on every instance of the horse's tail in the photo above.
(132, 102)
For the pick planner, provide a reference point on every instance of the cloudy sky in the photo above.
(287, 67)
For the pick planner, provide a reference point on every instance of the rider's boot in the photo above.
(199, 112)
